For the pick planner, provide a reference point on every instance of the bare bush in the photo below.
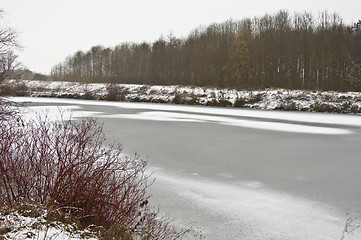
(68, 167)
(17, 89)
(7, 110)
(116, 93)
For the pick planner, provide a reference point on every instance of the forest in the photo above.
(298, 51)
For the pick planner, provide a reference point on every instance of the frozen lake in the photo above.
(236, 173)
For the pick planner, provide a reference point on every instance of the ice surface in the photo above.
(167, 112)
(272, 126)
(254, 211)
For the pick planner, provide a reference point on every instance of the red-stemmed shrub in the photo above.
(68, 166)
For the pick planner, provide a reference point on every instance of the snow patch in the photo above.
(22, 227)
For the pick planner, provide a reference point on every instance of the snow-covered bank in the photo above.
(27, 220)
(269, 99)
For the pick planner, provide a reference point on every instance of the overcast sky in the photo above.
(51, 30)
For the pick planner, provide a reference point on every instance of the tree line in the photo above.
(297, 51)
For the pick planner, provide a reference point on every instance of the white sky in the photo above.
(51, 30)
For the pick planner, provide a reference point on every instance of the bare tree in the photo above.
(353, 70)
(354, 73)
(8, 43)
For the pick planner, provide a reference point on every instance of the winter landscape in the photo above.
(244, 127)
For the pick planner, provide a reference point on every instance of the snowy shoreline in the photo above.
(267, 99)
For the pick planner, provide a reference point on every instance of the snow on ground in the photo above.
(268, 99)
(19, 225)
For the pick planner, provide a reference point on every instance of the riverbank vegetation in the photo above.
(299, 51)
(266, 99)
